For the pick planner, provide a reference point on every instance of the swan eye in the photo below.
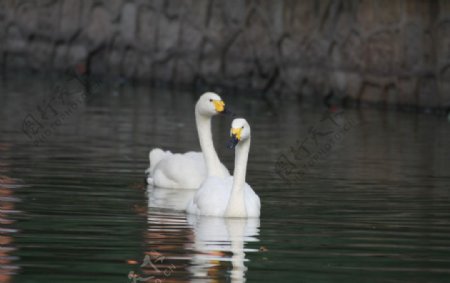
(210, 100)
(242, 127)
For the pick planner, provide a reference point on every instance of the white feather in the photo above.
(188, 170)
(229, 196)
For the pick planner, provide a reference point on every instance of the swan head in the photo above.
(240, 131)
(210, 104)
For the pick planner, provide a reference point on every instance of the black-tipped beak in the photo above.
(232, 142)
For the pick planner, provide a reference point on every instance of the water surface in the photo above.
(368, 203)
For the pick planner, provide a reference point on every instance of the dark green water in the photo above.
(370, 205)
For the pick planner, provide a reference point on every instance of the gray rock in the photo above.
(389, 51)
(70, 18)
(48, 18)
(130, 61)
(144, 68)
(100, 27)
(16, 42)
(147, 29)
(60, 57)
(39, 55)
(26, 16)
(167, 34)
(128, 22)
(443, 43)
(77, 53)
(428, 92)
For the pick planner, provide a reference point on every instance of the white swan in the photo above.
(229, 196)
(189, 170)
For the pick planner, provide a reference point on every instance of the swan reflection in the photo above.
(216, 244)
(8, 267)
(176, 199)
(219, 242)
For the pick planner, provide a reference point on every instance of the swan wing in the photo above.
(252, 202)
(180, 171)
(212, 197)
(155, 156)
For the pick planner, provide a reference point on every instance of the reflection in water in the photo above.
(220, 241)
(169, 198)
(165, 238)
(216, 245)
(7, 231)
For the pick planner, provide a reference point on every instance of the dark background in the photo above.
(393, 52)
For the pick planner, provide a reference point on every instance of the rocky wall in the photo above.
(396, 52)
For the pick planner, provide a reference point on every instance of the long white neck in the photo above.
(236, 203)
(240, 164)
(213, 164)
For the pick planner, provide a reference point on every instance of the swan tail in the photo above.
(149, 180)
(155, 156)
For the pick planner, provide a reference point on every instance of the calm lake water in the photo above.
(365, 199)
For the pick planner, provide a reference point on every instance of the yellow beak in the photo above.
(219, 105)
(236, 132)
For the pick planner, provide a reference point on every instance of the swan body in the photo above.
(176, 170)
(188, 170)
(229, 196)
(211, 199)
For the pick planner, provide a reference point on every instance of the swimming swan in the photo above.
(229, 196)
(188, 170)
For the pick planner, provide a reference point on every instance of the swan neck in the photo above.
(213, 164)
(240, 165)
